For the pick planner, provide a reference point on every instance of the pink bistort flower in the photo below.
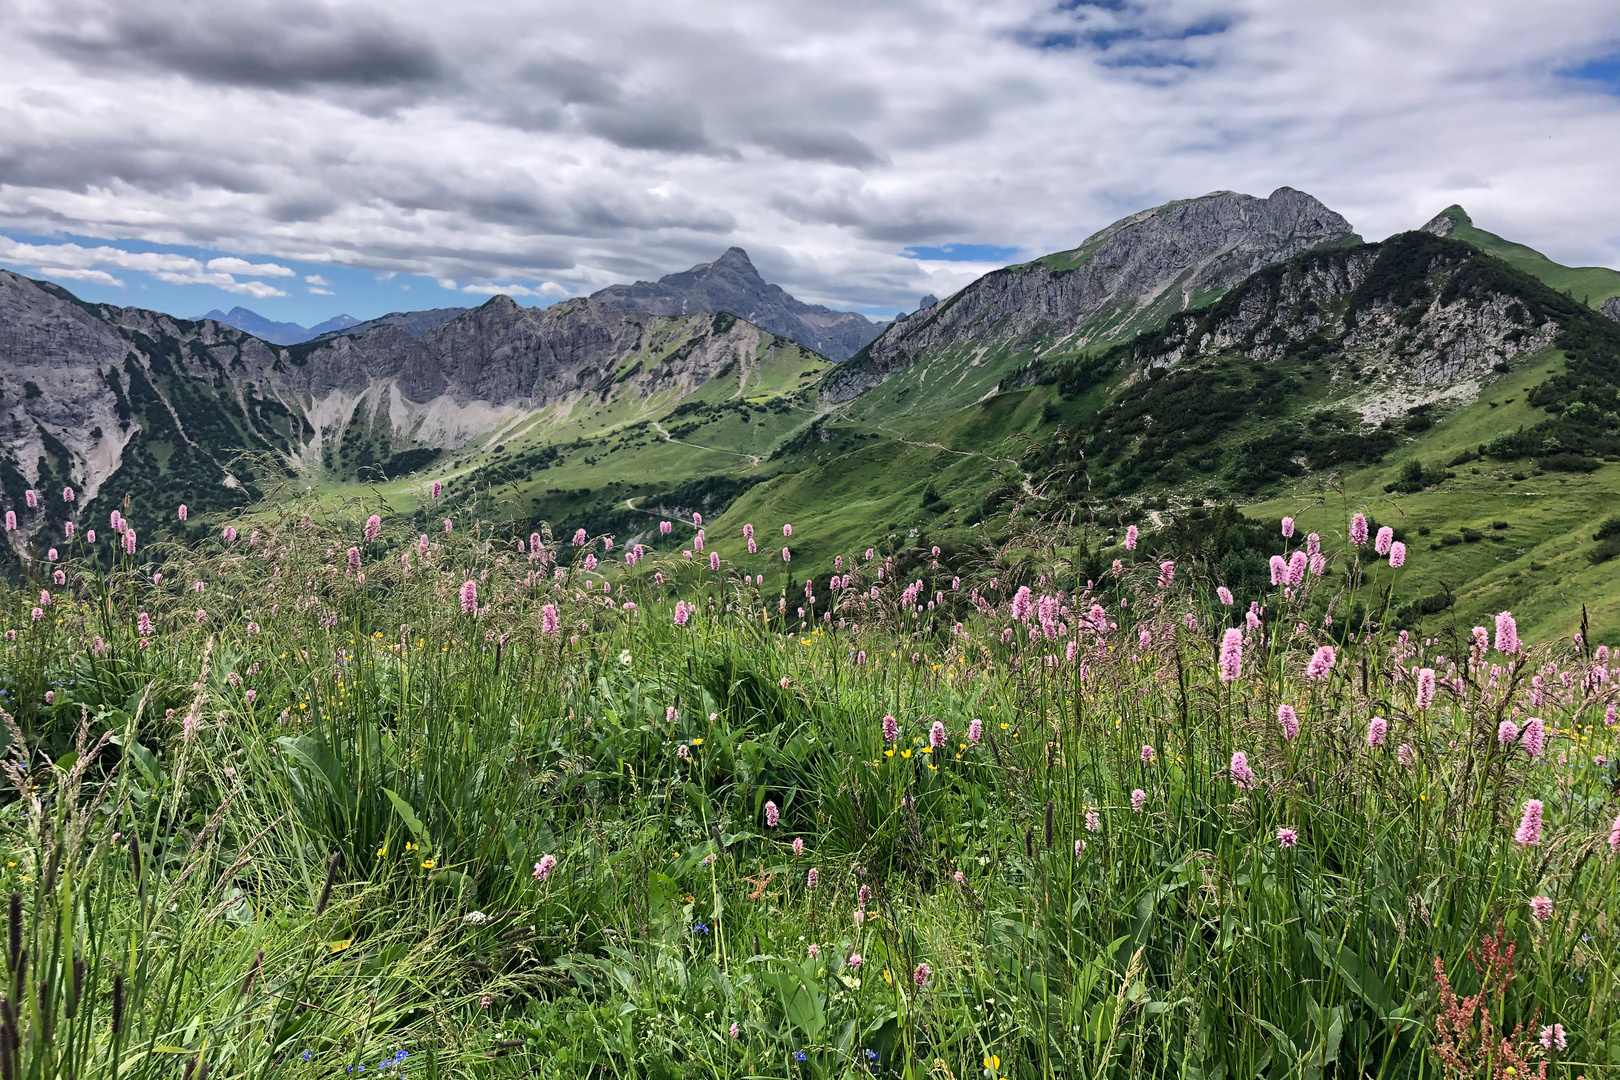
(1242, 775)
(1231, 655)
(1289, 719)
(772, 814)
(1528, 833)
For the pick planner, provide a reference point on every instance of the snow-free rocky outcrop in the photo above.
(732, 284)
(139, 403)
(1414, 319)
(1128, 277)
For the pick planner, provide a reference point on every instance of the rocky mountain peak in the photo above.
(1447, 220)
(733, 284)
(1125, 278)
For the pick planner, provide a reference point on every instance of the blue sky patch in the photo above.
(962, 253)
(1603, 70)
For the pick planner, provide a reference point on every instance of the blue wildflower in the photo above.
(306, 1055)
(700, 929)
(401, 1056)
(800, 1055)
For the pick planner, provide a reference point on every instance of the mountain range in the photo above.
(731, 283)
(1221, 348)
(277, 333)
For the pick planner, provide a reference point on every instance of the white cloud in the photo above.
(546, 290)
(77, 261)
(98, 277)
(826, 137)
(318, 291)
(233, 265)
(316, 279)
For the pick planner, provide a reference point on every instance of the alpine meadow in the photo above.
(1190, 654)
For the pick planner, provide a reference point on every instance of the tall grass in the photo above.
(317, 816)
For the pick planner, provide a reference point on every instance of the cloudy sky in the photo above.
(306, 158)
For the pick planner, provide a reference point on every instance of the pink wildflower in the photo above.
(1386, 537)
(936, 735)
(129, 541)
(1147, 754)
(11, 521)
(1529, 831)
(1022, 604)
(1358, 530)
(1507, 733)
(798, 846)
(449, 526)
(812, 879)
(67, 494)
(682, 613)
(1231, 655)
(714, 560)
(1279, 570)
(1321, 663)
(772, 814)
(1138, 799)
(31, 497)
(1534, 737)
(436, 489)
(975, 732)
(1131, 536)
(373, 527)
(229, 534)
(1289, 719)
(1397, 555)
(1242, 775)
(787, 556)
(1224, 594)
(891, 729)
(1287, 838)
(787, 530)
(181, 513)
(469, 597)
(1296, 568)
(1167, 573)
(549, 621)
(1541, 907)
(1507, 634)
(1614, 836)
(920, 976)
(1425, 688)
(544, 867)
(1377, 732)
(1553, 1034)
(354, 558)
(1403, 753)
(1288, 528)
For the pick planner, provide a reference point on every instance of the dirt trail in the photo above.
(753, 459)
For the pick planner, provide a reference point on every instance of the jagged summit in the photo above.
(731, 283)
(1130, 276)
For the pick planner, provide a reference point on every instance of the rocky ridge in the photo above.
(1125, 278)
(732, 284)
(123, 399)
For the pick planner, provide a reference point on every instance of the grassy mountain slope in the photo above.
(1486, 535)
(1591, 285)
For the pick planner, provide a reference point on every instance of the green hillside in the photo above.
(1589, 284)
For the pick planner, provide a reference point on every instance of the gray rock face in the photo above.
(1611, 308)
(91, 393)
(414, 323)
(1128, 277)
(731, 283)
(1392, 309)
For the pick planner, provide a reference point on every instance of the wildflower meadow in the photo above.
(326, 795)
